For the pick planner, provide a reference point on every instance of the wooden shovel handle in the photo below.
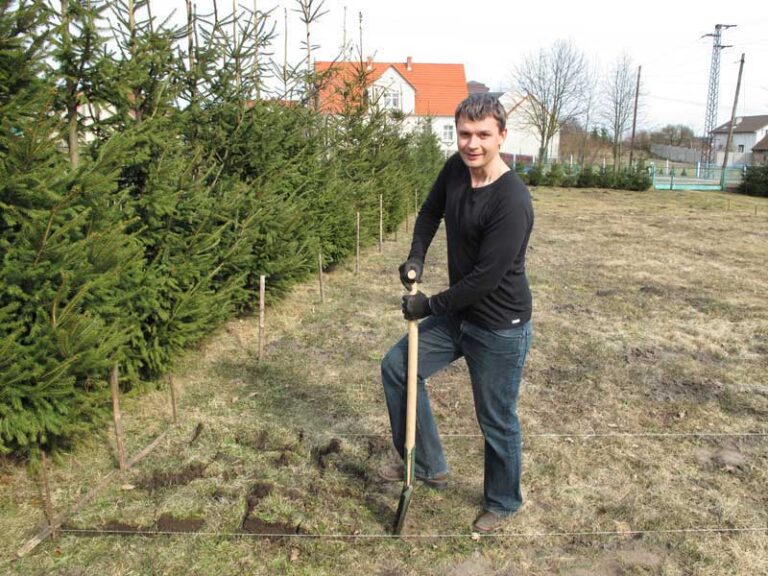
(411, 390)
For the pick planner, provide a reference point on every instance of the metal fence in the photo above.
(696, 177)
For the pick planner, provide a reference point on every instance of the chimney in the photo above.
(409, 64)
(369, 63)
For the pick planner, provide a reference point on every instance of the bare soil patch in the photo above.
(170, 478)
(169, 523)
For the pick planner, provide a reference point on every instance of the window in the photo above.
(448, 133)
(741, 147)
(391, 100)
(387, 98)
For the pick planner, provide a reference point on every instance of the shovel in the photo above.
(410, 417)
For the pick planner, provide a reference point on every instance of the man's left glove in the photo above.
(416, 306)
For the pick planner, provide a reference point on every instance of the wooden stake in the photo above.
(320, 272)
(113, 383)
(262, 294)
(48, 505)
(46, 531)
(406, 217)
(172, 386)
(381, 222)
(357, 244)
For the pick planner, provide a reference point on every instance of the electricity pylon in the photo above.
(710, 121)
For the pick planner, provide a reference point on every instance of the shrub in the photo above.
(555, 175)
(755, 181)
(535, 177)
(587, 178)
(571, 177)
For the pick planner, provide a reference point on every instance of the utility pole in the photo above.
(733, 119)
(710, 121)
(634, 118)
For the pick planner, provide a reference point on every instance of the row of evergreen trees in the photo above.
(146, 181)
(627, 178)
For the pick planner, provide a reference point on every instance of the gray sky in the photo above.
(490, 37)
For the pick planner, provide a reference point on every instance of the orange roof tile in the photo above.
(439, 87)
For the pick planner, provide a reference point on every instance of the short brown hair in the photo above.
(480, 106)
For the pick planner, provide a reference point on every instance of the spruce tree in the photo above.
(60, 264)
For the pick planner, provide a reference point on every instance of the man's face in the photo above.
(479, 141)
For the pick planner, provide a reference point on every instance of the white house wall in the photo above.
(391, 80)
(745, 139)
(447, 140)
(439, 124)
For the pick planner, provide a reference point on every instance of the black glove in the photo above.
(411, 264)
(416, 306)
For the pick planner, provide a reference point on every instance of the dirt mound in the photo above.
(257, 493)
(170, 523)
(254, 525)
(320, 454)
(111, 527)
(168, 478)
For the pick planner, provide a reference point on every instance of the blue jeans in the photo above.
(495, 359)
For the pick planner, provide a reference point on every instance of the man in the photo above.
(484, 316)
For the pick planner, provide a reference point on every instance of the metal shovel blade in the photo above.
(402, 509)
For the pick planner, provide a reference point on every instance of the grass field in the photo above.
(650, 322)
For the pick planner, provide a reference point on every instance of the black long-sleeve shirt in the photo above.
(487, 229)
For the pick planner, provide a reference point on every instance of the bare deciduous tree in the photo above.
(618, 103)
(554, 82)
(591, 76)
(675, 135)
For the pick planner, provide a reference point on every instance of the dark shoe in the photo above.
(396, 473)
(489, 522)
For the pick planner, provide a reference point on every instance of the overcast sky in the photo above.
(490, 37)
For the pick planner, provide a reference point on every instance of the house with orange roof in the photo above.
(415, 89)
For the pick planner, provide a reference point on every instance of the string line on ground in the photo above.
(472, 535)
(589, 435)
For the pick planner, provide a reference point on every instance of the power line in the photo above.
(677, 100)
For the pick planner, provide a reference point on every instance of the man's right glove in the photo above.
(416, 306)
(411, 264)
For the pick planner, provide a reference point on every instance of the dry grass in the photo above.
(650, 315)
